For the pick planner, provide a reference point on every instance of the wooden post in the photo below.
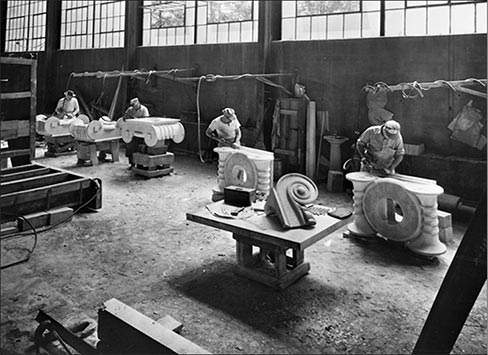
(310, 140)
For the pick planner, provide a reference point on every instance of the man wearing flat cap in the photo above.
(68, 106)
(135, 110)
(225, 129)
(381, 148)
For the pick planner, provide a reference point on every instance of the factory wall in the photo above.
(90, 89)
(179, 98)
(333, 72)
(165, 97)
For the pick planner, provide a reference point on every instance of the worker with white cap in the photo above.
(381, 148)
(135, 110)
(225, 129)
(68, 106)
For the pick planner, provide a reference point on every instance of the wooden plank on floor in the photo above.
(171, 323)
(146, 335)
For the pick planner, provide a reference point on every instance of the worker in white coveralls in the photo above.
(68, 106)
(381, 148)
(225, 129)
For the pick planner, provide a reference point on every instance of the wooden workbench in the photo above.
(267, 234)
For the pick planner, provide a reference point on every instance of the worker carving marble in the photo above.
(68, 106)
(135, 110)
(381, 148)
(225, 129)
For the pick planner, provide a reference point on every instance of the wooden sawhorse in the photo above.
(88, 150)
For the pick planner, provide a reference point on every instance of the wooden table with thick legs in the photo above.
(279, 259)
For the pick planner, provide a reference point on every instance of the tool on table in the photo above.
(236, 212)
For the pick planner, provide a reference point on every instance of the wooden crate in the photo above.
(32, 188)
(18, 109)
(291, 145)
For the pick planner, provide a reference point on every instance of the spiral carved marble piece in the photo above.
(292, 192)
(299, 188)
(152, 129)
(94, 131)
(52, 126)
(102, 130)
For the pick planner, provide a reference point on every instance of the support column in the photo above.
(47, 73)
(132, 39)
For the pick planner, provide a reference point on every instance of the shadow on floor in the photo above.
(253, 303)
(386, 252)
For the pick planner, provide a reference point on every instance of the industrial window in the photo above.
(25, 26)
(309, 20)
(168, 22)
(92, 24)
(306, 20)
(199, 22)
(419, 18)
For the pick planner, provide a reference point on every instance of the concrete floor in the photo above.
(359, 297)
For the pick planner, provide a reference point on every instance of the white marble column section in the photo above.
(428, 242)
(263, 167)
(223, 153)
(360, 181)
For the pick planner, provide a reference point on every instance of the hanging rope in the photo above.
(198, 118)
(212, 78)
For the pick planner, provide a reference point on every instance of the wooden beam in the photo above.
(57, 188)
(20, 168)
(14, 153)
(310, 140)
(15, 95)
(24, 174)
(459, 289)
(436, 84)
(33, 108)
(14, 129)
(122, 328)
(3, 24)
(471, 92)
(33, 182)
(456, 85)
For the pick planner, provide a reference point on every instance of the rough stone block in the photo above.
(444, 218)
(445, 235)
